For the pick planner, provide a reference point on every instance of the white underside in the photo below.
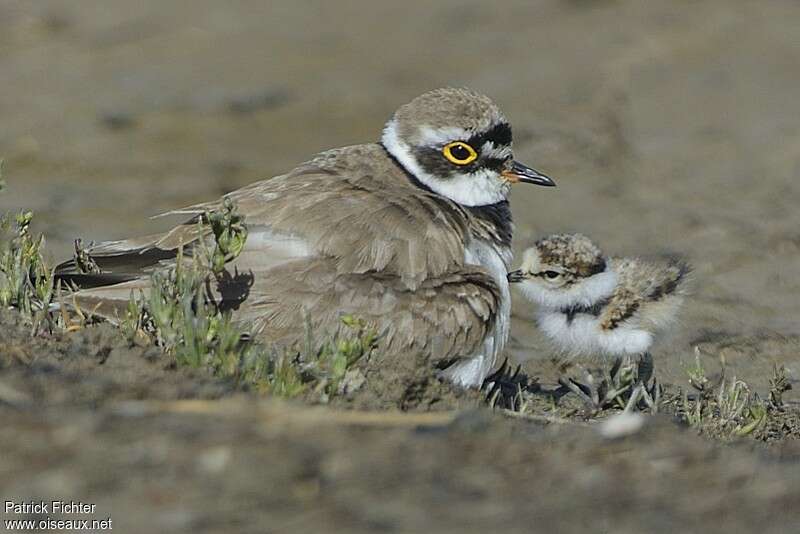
(266, 249)
(583, 336)
(472, 371)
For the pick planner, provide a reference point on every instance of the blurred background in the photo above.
(669, 126)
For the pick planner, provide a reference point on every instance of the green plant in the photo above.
(329, 363)
(230, 235)
(26, 281)
(725, 408)
(179, 312)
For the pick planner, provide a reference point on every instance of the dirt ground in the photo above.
(669, 127)
(159, 448)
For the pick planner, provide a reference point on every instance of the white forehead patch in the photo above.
(441, 136)
(436, 137)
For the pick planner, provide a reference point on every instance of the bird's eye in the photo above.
(552, 274)
(459, 152)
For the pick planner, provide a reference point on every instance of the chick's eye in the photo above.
(459, 152)
(552, 274)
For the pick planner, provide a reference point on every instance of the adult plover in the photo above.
(412, 234)
(595, 306)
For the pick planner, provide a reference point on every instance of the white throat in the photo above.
(586, 293)
(475, 189)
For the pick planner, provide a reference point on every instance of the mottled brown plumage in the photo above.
(647, 293)
(574, 253)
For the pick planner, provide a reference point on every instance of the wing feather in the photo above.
(363, 214)
(445, 319)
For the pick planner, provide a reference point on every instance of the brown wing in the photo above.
(623, 305)
(355, 206)
(444, 319)
(352, 205)
(642, 283)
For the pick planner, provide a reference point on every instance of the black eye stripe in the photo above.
(566, 274)
(430, 157)
(499, 134)
(494, 163)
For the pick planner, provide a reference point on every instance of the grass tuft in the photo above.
(727, 407)
(26, 280)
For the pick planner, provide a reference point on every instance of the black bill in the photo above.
(522, 173)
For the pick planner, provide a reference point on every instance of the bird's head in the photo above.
(564, 270)
(457, 143)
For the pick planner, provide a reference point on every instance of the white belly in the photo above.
(473, 371)
(583, 336)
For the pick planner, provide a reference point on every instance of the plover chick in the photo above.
(590, 305)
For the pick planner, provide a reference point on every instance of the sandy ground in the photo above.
(670, 127)
(156, 448)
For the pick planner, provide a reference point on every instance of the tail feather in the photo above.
(107, 301)
(127, 264)
(124, 267)
(93, 280)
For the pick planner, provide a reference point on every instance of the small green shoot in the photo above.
(726, 408)
(26, 281)
(230, 235)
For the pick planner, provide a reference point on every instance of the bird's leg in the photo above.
(652, 397)
(591, 383)
(645, 368)
(493, 385)
(581, 390)
(641, 375)
(633, 401)
(651, 389)
(629, 367)
(614, 369)
(617, 381)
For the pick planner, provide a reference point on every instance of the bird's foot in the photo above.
(505, 388)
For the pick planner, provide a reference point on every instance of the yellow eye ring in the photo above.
(459, 152)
